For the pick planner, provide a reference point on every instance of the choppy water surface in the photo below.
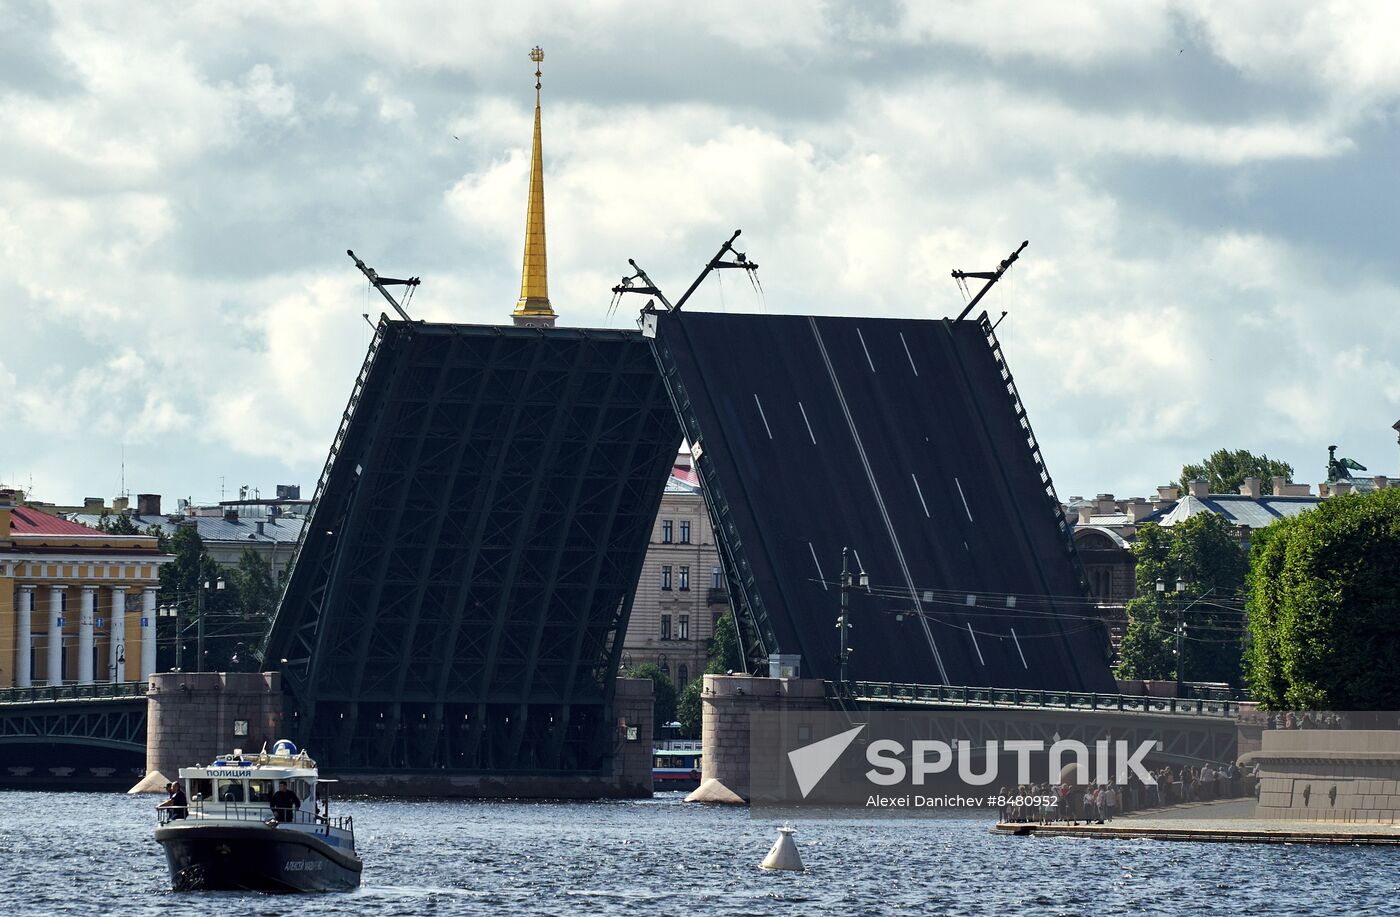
(94, 854)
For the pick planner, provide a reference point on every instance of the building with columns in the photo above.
(77, 606)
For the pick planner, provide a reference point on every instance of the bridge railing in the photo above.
(99, 690)
(952, 695)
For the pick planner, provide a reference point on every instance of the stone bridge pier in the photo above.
(192, 717)
(797, 711)
(726, 703)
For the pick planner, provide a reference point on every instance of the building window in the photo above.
(665, 668)
(666, 577)
(665, 531)
(716, 578)
(684, 633)
(685, 579)
(682, 675)
(685, 531)
(665, 627)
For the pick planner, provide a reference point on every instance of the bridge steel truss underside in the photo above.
(113, 723)
(464, 583)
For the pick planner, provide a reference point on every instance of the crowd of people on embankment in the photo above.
(1073, 802)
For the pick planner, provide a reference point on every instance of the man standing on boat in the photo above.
(178, 805)
(284, 802)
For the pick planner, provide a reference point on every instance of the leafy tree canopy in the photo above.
(1203, 553)
(688, 709)
(1324, 607)
(724, 648)
(664, 692)
(1226, 470)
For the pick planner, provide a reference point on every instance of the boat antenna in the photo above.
(717, 263)
(380, 283)
(990, 276)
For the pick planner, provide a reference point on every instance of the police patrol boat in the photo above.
(258, 822)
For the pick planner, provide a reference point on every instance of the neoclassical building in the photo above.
(77, 606)
(682, 591)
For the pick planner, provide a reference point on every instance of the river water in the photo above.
(92, 853)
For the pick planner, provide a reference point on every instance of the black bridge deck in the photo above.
(460, 597)
(906, 441)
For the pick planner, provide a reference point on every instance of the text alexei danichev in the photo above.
(917, 801)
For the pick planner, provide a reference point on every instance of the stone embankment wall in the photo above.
(726, 703)
(192, 717)
(630, 778)
(1329, 775)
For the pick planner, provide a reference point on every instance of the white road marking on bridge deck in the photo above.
(820, 577)
(1018, 648)
(908, 354)
(762, 415)
(879, 500)
(866, 349)
(960, 492)
(920, 492)
(807, 422)
(971, 633)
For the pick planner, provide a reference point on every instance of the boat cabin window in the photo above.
(199, 789)
(301, 786)
(261, 790)
(229, 790)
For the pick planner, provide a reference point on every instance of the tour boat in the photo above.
(675, 765)
(232, 834)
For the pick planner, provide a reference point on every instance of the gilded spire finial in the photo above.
(533, 307)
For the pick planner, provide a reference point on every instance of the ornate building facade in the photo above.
(77, 606)
(682, 591)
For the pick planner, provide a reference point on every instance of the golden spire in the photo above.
(533, 308)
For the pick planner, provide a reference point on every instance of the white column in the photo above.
(85, 613)
(24, 676)
(116, 656)
(56, 634)
(148, 632)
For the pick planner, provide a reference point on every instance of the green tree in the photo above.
(1324, 612)
(664, 693)
(255, 586)
(724, 648)
(1146, 650)
(1203, 553)
(181, 584)
(1226, 470)
(689, 709)
(120, 524)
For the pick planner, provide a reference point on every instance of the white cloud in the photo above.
(1077, 34)
(173, 220)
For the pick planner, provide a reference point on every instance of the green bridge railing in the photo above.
(954, 696)
(97, 691)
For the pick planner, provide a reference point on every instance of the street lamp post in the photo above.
(1180, 634)
(199, 621)
(173, 611)
(1179, 630)
(843, 624)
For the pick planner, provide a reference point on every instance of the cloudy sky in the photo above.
(1210, 195)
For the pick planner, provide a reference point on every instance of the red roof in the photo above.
(685, 473)
(26, 521)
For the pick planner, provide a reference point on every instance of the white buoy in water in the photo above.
(783, 854)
